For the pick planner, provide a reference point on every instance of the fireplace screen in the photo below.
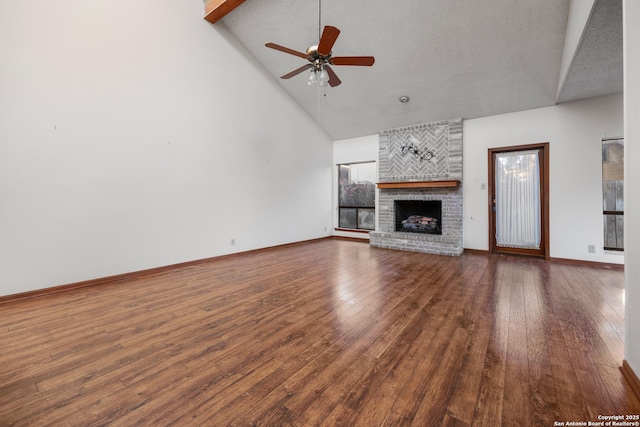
(418, 216)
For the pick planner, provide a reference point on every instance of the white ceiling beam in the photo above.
(579, 14)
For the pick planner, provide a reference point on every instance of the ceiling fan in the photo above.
(320, 59)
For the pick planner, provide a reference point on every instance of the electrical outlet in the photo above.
(592, 249)
(233, 241)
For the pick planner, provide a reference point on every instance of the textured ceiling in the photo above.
(596, 68)
(453, 58)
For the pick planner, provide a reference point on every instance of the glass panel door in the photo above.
(517, 179)
(518, 200)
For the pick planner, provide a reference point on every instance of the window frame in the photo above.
(357, 208)
(617, 214)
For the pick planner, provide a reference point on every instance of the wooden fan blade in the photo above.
(329, 36)
(297, 71)
(366, 61)
(333, 78)
(286, 50)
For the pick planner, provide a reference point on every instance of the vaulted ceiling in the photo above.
(452, 58)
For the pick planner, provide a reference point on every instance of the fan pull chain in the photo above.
(319, 19)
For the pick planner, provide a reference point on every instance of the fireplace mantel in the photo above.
(420, 184)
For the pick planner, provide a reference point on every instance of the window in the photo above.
(612, 192)
(357, 195)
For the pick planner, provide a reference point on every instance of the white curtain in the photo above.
(518, 199)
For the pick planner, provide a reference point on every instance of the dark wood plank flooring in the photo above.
(328, 332)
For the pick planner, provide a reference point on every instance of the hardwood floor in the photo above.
(327, 332)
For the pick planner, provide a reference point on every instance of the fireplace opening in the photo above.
(418, 216)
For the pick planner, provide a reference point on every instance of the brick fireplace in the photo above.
(421, 163)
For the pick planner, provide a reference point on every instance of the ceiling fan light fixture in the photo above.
(313, 78)
(318, 77)
(323, 78)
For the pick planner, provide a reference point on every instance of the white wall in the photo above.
(631, 13)
(352, 150)
(135, 135)
(574, 131)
